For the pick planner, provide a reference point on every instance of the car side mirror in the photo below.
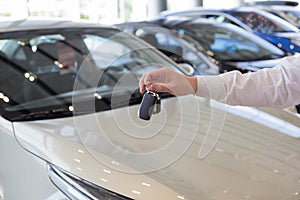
(186, 68)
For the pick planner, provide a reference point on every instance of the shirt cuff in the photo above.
(212, 87)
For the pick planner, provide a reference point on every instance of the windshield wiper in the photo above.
(44, 114)
(270, 56)
(65, 111)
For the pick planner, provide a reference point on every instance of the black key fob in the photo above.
(150, 104)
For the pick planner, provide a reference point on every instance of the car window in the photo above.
(220, 18)
(165, 39)
(293, 16)
(103, 56)
(187, 54)
(261, 23)
(44, 72)
(180, 48)
(230, 43)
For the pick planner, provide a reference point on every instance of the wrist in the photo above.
(193, 82)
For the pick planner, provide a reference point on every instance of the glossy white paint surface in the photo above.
(22, 175)
(249, 161)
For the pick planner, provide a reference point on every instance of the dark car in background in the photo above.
(234, 48)
(180, 48)
(262, 23)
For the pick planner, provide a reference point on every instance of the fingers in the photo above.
(157, 87)
(142, 84)
(147, 80)
(154, 81)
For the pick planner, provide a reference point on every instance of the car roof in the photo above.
(227, 11)
(215, 10)
(274, 2)
(279, 7)
(139, 24)
(196, 9)
(39, 24)
(249, 9)
(230, 12)
(183, 21)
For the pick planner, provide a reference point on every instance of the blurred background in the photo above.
(104, 11)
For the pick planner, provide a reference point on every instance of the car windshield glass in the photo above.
(180, 48)
(294, 16)
(44, 72)
(230, 43)
(267, 23)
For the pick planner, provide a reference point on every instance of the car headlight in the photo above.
(76, 188)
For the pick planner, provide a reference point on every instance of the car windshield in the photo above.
(229, 43)
(181, 49)
(266, 23)
(44, 72)
(293, 15)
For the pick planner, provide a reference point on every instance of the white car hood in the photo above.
(200, 150)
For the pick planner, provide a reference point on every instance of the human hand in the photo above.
(168, 80)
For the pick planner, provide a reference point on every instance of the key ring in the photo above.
(147, 89)
(153, 93)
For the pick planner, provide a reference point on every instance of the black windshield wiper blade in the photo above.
(44, 114)
(270, 56)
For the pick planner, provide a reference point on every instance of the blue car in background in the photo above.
(262, 23)
(230, 46)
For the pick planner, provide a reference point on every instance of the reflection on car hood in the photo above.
(255, 65)
(251, 155)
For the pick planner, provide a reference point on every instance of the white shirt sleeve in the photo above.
(273, 87)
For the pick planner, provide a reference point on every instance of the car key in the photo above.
(157, 104)
(150, 105)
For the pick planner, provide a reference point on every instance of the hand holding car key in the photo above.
(150, 105)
